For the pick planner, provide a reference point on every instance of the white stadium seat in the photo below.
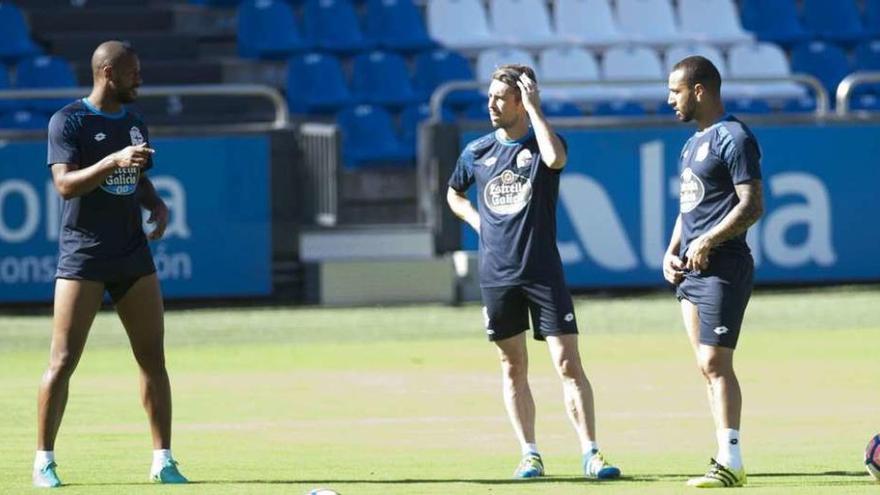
(635, 63)
(492, 58)
(677, 52)
(711, 21)
(761, 60)
(570, 65)
(648, 21)
(459, 24)
(523, 23)
(587, 22)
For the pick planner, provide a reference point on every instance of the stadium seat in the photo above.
(569, 65)
(711, 21)
(436, 67)
(491, 59)
(522, 23)
(826, 61)
(410, 119)
(15, 40)
(44, 72)
(332, 25)
(561, 109)
(24, 120)
(621, 108)
(760, 60)
(834, 20)
(676, 53)
(315, 84)
(368, 138)
(396, 25)
(5, 104)
(459, 24)
(477, 111)
(804, 104)
(648, 21)
(872, 18)
(867, 58)
(746, 106)
(381, 78)
(776, 21)
(587, 22)
(267, 29)
(635, 63)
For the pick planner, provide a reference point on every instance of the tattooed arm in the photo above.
(741, 217)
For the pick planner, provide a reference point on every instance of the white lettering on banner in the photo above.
(27, 269)
(602, 235)
(814, 213)
(25, 230)
(172, 266)
(174, 195)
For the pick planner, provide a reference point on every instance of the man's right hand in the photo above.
(133, 156)
(673, 268)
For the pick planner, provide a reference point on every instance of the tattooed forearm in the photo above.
(746, 213)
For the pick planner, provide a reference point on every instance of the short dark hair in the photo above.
(509, 74)
(700, 70)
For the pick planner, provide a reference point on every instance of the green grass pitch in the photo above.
(406, 400)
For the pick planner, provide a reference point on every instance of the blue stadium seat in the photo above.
(867, 56)
(621, 108)
(267, 29)
(216, 3)
(834, 20)
(872, 17)
(396, 25)
(476, 111)
(5, 105)
(774, 20)
(316, 84)
(436, 67)
(410, 119)
(368, 138)
(826, 61)
(24, 119)
(332, 25)
(381, 78)
(43, 72)
(557, 108)
(15, 40)
(747, 106)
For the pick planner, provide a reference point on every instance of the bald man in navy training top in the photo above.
(99, 155)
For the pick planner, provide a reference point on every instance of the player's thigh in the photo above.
(142, 314)
(690, 314)
(75, 306)
(513, 351)
(551, 308)
(505, 312)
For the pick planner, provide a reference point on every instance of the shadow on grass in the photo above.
(506, 481)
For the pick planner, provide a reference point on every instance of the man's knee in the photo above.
(715, 365)
(514, 367)
(152, 363)
(61, 365)
(569, 368)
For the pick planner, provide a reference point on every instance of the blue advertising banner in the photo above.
(619, 200)
(218, 240)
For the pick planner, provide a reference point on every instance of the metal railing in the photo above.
(282, 116)
(846, 86)
(321, 145)
(823, 103)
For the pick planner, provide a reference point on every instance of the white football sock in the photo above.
(729, 449)
(530, 448)
(159, 458)
(591, 447)
(42, 458)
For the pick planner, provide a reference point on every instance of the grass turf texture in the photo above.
(406, 400)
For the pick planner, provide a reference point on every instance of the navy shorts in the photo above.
(506, 310)
(117, 275)
(721, 294)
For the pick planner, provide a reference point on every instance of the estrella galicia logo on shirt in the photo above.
(507, 193)
(136, 136)
(122, 182)
(691, 191)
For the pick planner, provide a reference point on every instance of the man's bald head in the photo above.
(116, 70)
(111, 54)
